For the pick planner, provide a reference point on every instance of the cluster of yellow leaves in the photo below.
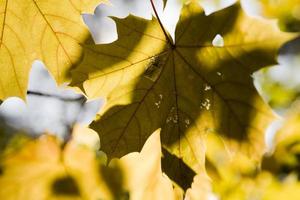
(201, 95)
(287, 11)
(285, 158)
(44, 169)
(236, 177)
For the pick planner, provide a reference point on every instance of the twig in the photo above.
(82, 98)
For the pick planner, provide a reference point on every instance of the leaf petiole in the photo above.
(170, 41)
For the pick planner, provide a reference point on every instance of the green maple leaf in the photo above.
(189, 87)
(49, 30)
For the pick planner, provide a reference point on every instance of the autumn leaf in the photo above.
(49, 30)
(287, 11)
(234, 176)
(189, 87)
(211, 6)
(228, 170)
(285, 158)
(142, 172)
(263, 186)
(201, 188)
(41, 169)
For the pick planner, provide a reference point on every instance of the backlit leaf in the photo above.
(49, 30)
(143, 175)
(201, 188)
(190, 88)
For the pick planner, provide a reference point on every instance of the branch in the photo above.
(82, 98)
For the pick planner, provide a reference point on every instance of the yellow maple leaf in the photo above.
(51, 30)
(196, 85)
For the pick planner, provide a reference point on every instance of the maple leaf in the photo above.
(50, 30)
(42, 169)
(189, 87)
(200, 189)
(142, 172)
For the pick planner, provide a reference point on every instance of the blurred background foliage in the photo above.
(286, 11)
(231, 175)
(280, 85)
(234, 176)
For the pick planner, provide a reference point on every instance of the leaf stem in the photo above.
(161, 25)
